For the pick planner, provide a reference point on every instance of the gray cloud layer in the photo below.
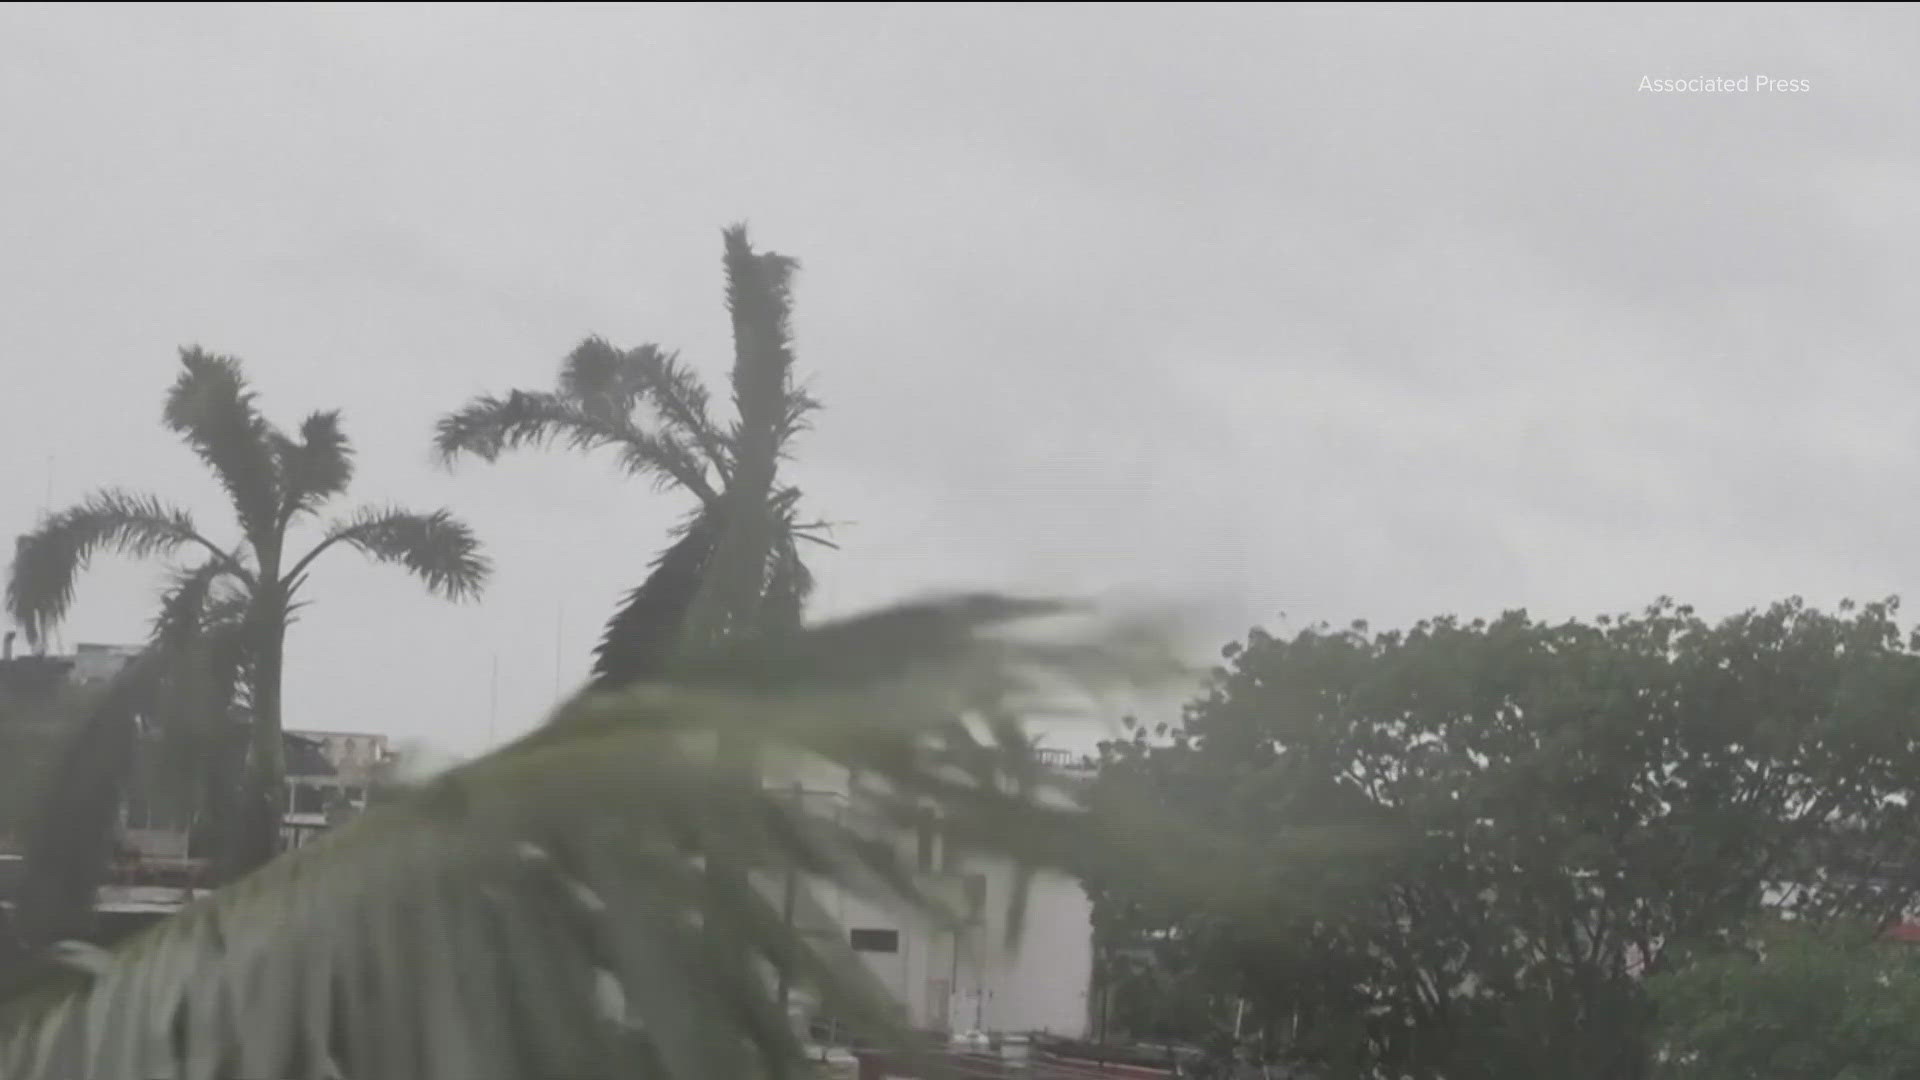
(1352, 312)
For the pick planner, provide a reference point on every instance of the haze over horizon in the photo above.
(1348, 313)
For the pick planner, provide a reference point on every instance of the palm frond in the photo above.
(543, 911)
(760, 300)
(315, 468)
(46, 560)
(200, 638)
(641, 638)
(193, 601)
(682, 401)
(488, 426)
(597, 377)
(211, 406)
(789, 585)
(437, 547)
(793, 420)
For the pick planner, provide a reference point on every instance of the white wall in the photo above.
(1042, 984)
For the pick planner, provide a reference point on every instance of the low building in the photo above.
(954, 971)
(358, 757)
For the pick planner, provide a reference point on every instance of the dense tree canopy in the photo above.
(1567, 808)
(1829, 1003)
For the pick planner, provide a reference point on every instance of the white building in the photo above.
(358, 756)
(959, 977)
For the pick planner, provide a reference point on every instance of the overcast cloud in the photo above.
(1348, 312)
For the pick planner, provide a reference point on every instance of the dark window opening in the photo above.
(881, 941)
(309, 800)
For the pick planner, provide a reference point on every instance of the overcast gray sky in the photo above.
(1348, 312)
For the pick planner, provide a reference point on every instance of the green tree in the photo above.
(274, 482)
(1801, 1003)
(542, 912)
(1570, 807)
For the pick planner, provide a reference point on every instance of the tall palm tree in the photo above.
(274, 481)
(542, 912)
(735, 563)
(735, 571)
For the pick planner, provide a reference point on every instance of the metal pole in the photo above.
(787, 900)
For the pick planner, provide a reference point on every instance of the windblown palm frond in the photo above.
(681, 401)
(489, 426)
(641, 637)
(197, 708)
(649, 625)
(313, 469)
(437, 547)
(543, 912)
(789, 585)
(47, 560)
(211, 407)
(196, 598)
(608, 381)
(760, 299)
(597, 377)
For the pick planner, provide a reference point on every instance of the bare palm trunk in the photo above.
(257, 830)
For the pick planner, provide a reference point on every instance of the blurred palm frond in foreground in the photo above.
(542, 912)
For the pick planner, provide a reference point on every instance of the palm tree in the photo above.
(735, 569)
(735, 565)
(273, 481)
(542, 911)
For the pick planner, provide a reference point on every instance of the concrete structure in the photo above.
(357, 756)
(956, 974)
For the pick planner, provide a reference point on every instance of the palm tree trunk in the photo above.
(731, 598)
(257, 832)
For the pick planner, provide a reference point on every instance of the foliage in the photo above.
(35, 722)
(1570, 806)
(542, 912)
(1803, 1003)
(273, 481)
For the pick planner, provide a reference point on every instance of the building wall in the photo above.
(1042, 985)
(955, 981)
(356, 754)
